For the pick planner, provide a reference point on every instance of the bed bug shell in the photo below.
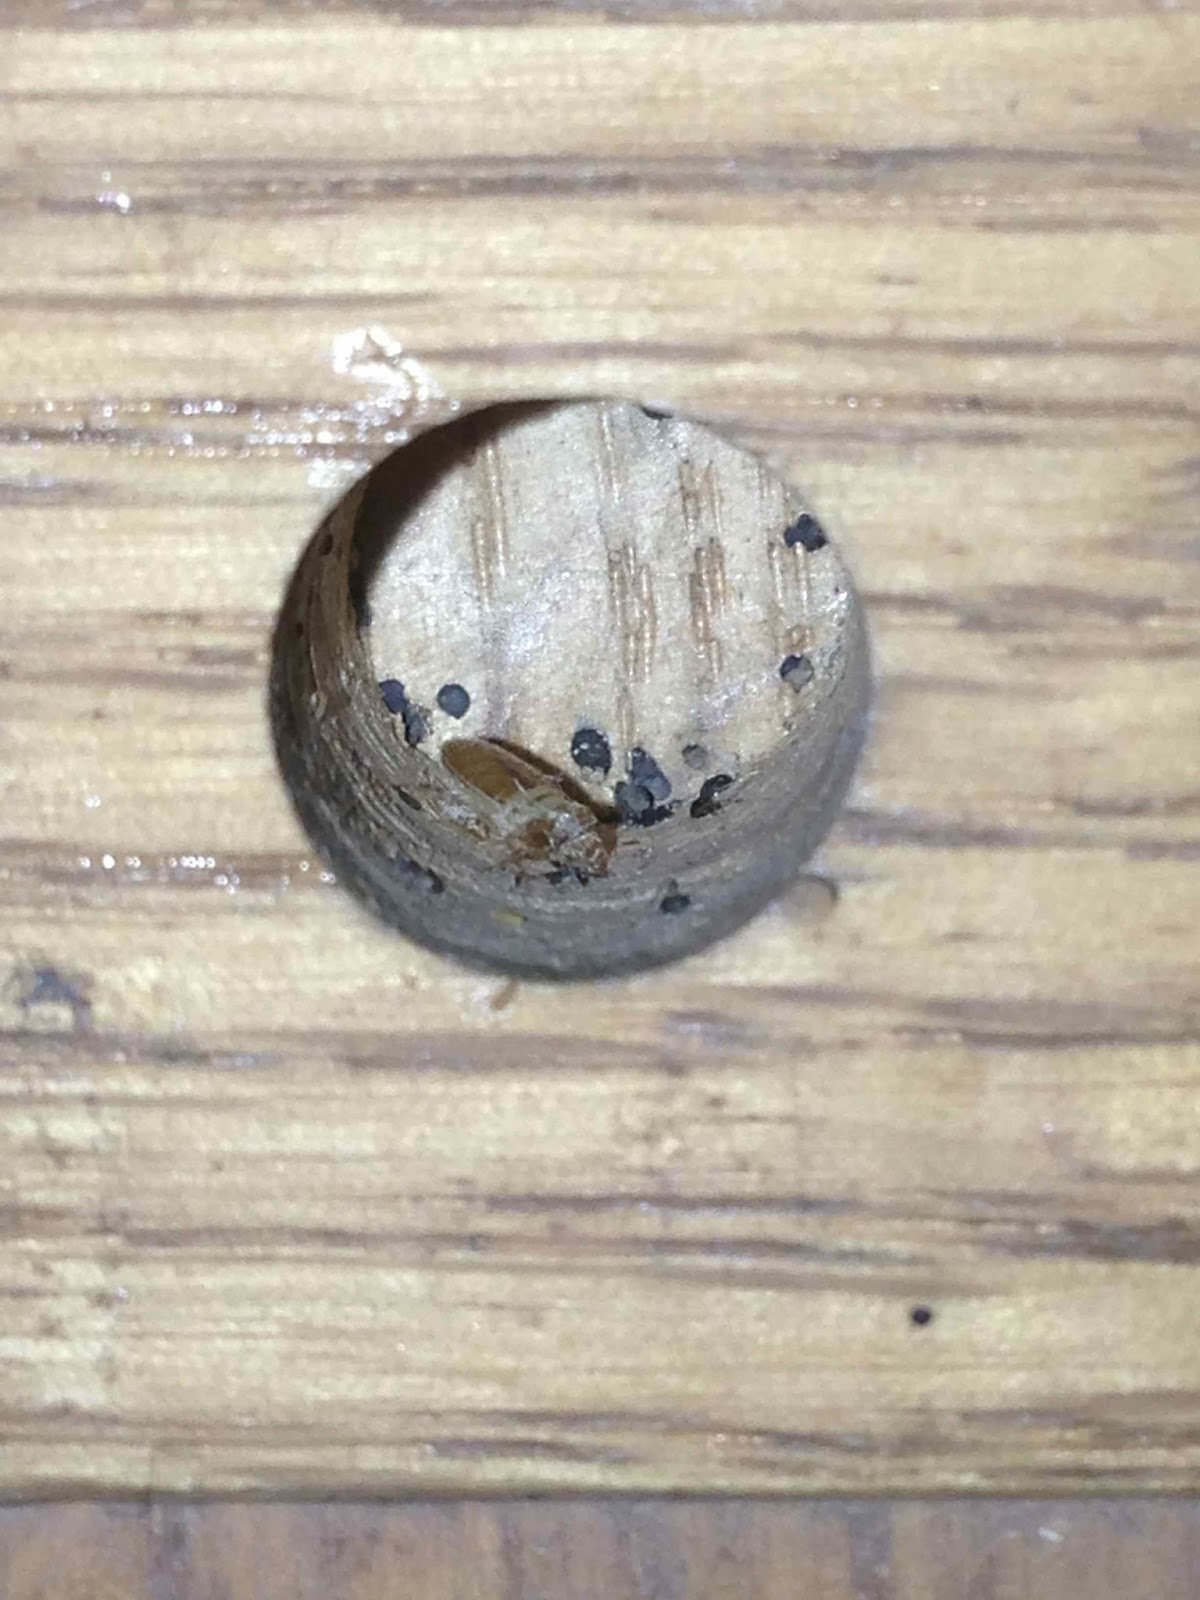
(545, 819)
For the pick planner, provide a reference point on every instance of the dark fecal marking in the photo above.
(807, 532)
(633, 801)
(796, 671)
(416, 718)
(46, 986)
(416, 723)
(421, 879)
(591, 750)
(673, 902)
(409, 800)
(920, 1316)
(647, 774)
(706, 802)
(636, 805)
(394, 696)
(454, 700)
(564, 874)
(695, 756)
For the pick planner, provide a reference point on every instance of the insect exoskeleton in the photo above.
(547, 822)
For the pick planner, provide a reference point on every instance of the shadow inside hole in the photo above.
(402, 480)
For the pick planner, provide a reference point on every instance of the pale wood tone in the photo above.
(621, 1549)
(289, 1205)
(591, 564)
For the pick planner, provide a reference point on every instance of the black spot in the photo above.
(416, 723)
(695, 756)
(706, 802)
(422, 879)
(362, 612)
(633, 801)
(327, 545)
(564, 874)
(672, 903)
(409, 800)
(796, 671)
(299, 630)
(47, 986)
(454, 700)
(646, 772)
(921, 1316)
(655, 415)
(655, 814)
(807, 532)
(416, 718)
(591, 751)
(394, 696)
(635, 805)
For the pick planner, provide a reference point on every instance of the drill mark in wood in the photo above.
(770, 500)
(708, 596)
(606, 461)
(489, 526)
(710, 485)
(700, 500)
(791, 588)
(691, 499)
(775, 553)
(635, 610)
(489, 561)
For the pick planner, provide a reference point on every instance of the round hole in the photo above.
(569, 689)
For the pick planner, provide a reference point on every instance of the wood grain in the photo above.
(589, 564)
(287, 1205)
(623, 1549)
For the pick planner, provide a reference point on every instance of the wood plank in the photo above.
(288, 1205)
(719, 1549)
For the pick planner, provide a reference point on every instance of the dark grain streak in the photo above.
(956, 833)
(1109, 191)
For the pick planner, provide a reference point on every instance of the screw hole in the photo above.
(528, 636)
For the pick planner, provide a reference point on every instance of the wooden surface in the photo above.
(289, 1206)
(621, 1549)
